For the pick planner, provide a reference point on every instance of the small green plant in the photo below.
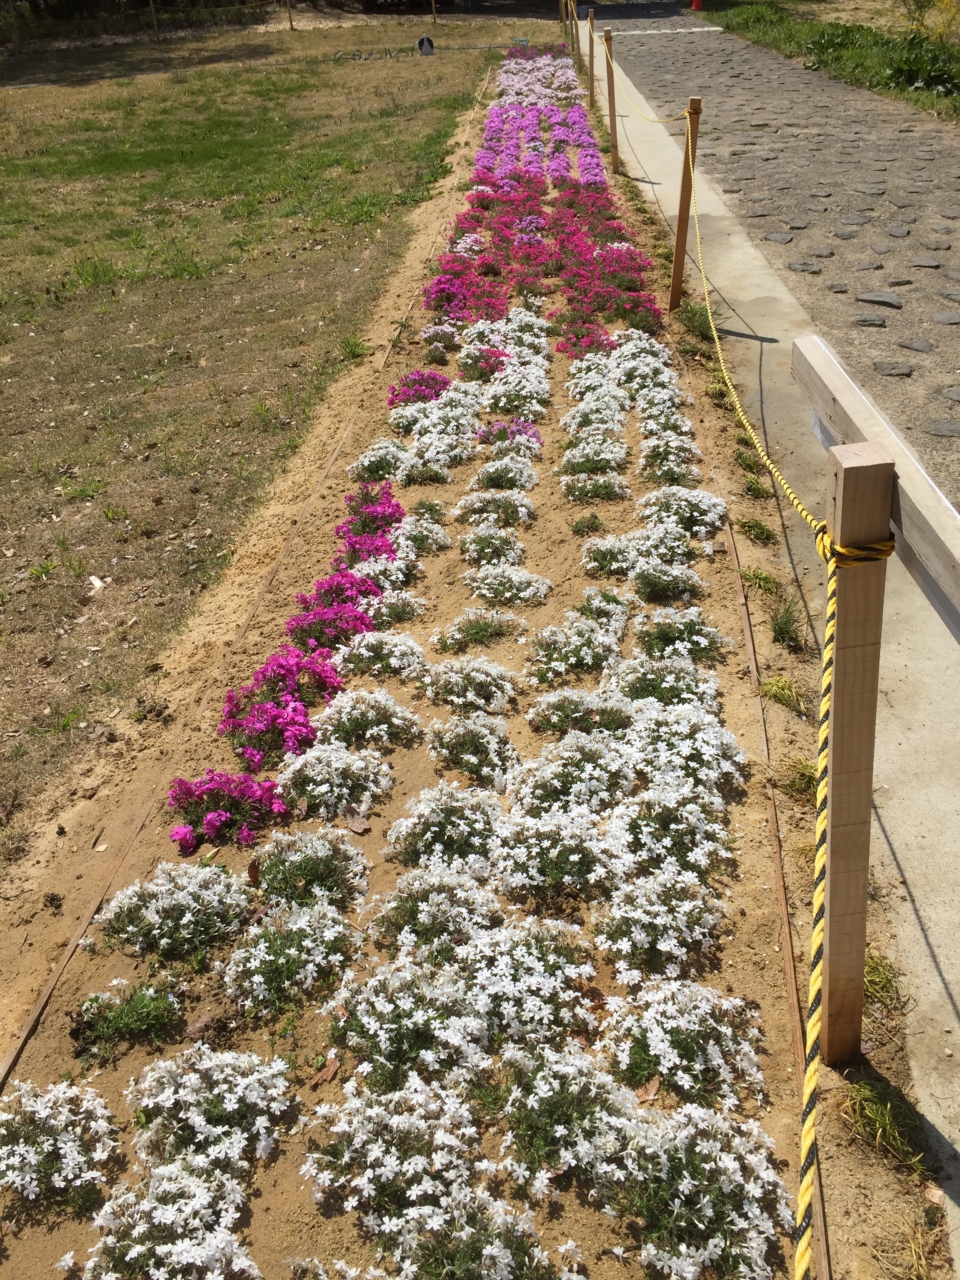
(429, 510)
(755, 488)
(84, 492)
(781, 689)
(883, 1116)
(95, 271)
(144, 1014)
(695, 318)
(115, 514)
(743, 438)
(786, 622)
(762, 580)
(881, 984)
(41, 572)
(588, 524)
(455, 1253)
(757, 531)
(353, 348)
(800, 780)
(481, 627)
(748, 462)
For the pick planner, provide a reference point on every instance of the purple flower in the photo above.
(328, 626)
(186, 838)
(338, 588)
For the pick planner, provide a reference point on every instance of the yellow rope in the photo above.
(835, 557)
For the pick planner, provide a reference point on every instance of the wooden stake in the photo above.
(153, 16)
(433, 6)
(863, 496)
(611, 101)
(575, 23)
(590, 26)
(563, 13)
(289, 14)
(683, 214)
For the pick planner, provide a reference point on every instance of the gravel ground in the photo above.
(854, 198)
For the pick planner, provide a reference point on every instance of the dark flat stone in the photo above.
(895, 281)
(817, 208)
(809, 267)
(731, 191)
(820, 195)
(821, 253)
(847, 235)
(871, 322)
(917, 344)
(837, 288)
(881, 299)
(951, 297)
(796, 225)
(925, 262)
(944, 428)
(952, 393)
(871, 189)
(757, 199)
(939, 245)
(898, 232)
(893, 368)
(880, 248)
(902, 204)
(854, 219)
(951, 212)
(946, 317)
(760, 213)
(778, 237)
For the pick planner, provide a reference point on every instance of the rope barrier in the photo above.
(835, 557)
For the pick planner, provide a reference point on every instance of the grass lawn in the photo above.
(188, 251)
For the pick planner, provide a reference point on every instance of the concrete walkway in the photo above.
(916, 846)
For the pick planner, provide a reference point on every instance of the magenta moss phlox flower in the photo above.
(417, 387)
(266, 731)
(373, 509)
(223, 806)
(328, 626)
(306, 676)
(358, 547)
(498, 431)
(338, 588)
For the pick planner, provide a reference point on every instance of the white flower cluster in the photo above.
(506, 584)
(391, 607)
(700, 514)
(580, 645)
(368, 719)
(699, 1042)
(54, 1146)
(477, 626)
(434, 909)
(290, 951)
(329, 778)
(220, 1108)
(633, 375)
(302, 865)
(503, 507)
(511, 472)
(372, 653)
(203, 1116)
(583, 771)
(393, 574)
(470, 684)
(565, 709)
(178, 912)
(449, 826)
(417, 536)
(478, 745)
(489, 544)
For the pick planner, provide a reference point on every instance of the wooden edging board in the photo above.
(925, 524)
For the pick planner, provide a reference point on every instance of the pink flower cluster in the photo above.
(498, 431)
(264, 732)
(417, 387)
(223, 806)
(481, 365)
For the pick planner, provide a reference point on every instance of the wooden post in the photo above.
(683, 214)
(289, 15)
(153, 16)
(590, 25)
(863, 496)
(611, 100)
(575, 23)
(433, 6)
(563, 14)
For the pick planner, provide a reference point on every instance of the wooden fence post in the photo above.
(153, 16)
(683, 214)
(575, 23)
(863, 496)
(289, 15)
(433, 6)
(590, 26)
(611, 101)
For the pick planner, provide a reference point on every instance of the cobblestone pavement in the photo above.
(854, 198)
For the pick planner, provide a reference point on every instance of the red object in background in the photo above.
(696, 4)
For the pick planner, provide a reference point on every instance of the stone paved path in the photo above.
(853, 198)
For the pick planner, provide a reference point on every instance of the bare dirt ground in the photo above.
(113, 803)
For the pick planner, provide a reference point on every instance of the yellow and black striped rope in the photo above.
(835, 557)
